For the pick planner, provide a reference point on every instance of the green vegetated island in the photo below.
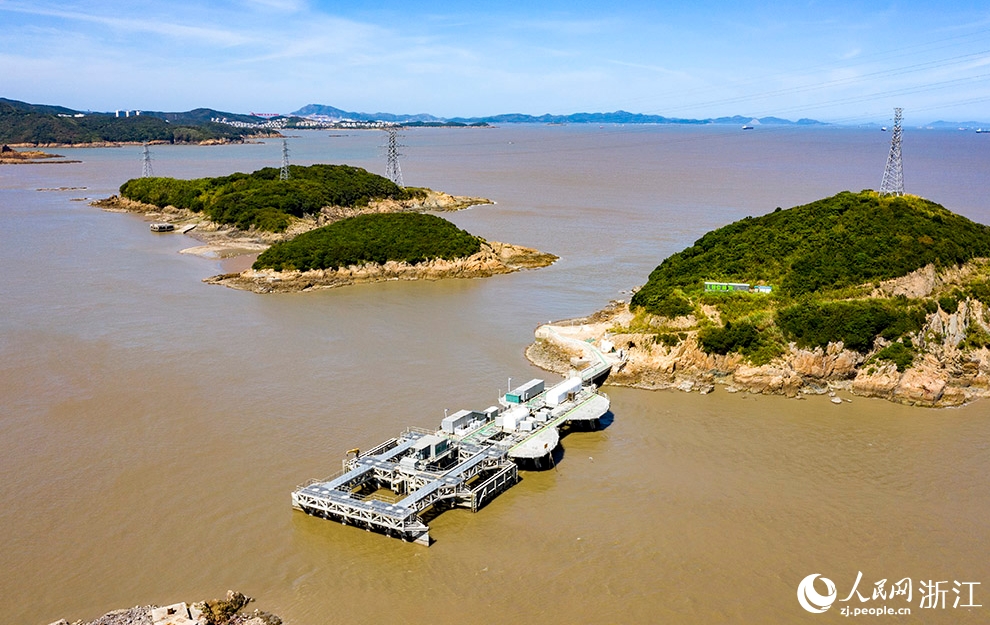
(884, 296)
(324, 226)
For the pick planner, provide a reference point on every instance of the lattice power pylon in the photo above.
(146, 165)
(392, 170)
(284, 174)
(893, 174)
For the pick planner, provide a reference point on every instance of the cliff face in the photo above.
(943, 373)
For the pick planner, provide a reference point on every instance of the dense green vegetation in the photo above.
(261, 199)
(847, 239)
(20, 123)
(372, 238)
(856, 323)
(823, 259)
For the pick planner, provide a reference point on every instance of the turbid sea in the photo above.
(152, 426)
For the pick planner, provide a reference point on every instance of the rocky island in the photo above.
(880, 296)
(226, 611)
(10, 156)
(323, 227)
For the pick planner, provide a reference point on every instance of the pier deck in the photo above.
(470, 460)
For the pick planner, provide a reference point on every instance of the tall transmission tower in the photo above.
(284, 174)
(392, 170)
(146, 166)
(893, 174)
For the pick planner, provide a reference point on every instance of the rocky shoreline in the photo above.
(494, 258)
(9, 156)
(943, 374)
(213, 612)
(221, 241)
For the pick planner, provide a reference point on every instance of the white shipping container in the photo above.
(558, 392)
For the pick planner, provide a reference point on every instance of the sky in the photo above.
(838, 61)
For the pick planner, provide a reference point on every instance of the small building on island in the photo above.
(730, 287)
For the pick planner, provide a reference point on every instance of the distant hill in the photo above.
(34, 124)
(616, 117)
(330, 111)
(202, 116)
(958, 125)
(43, 109)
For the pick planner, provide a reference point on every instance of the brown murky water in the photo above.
(152, 427)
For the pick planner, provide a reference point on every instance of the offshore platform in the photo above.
(473, 457)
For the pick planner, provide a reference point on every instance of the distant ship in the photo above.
(747, 127)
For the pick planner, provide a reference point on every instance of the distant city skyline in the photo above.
(841, 62)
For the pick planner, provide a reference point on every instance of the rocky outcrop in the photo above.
(10, 156)
(214, 612)
(943, 374)
(494, 258)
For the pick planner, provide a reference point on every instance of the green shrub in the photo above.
(976, 337)
(898, 353)
(667, 339)
(855, 323)
(728, 338)
(741, 337)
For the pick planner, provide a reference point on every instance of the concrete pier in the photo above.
(469, 461)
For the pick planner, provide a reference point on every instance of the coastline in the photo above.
(942, 376)
(120, 144)
(494, 258)
(9, 156)
(220, 241)
(207, 612)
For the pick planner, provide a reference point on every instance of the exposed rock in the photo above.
(942, 374)
(214, 612)
(494, 258)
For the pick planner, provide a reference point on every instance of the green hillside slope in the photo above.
(261, 200)
(373, 238)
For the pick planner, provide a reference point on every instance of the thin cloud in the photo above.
(218, 36)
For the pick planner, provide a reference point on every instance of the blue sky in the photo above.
(840, 61)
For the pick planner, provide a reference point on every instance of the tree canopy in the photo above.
(264, 201)
(372, 238)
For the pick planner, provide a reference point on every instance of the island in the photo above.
(881, 296)
(10, 156)
(321, 226)
(227, 611)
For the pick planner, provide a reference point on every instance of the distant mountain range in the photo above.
(616, 117)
